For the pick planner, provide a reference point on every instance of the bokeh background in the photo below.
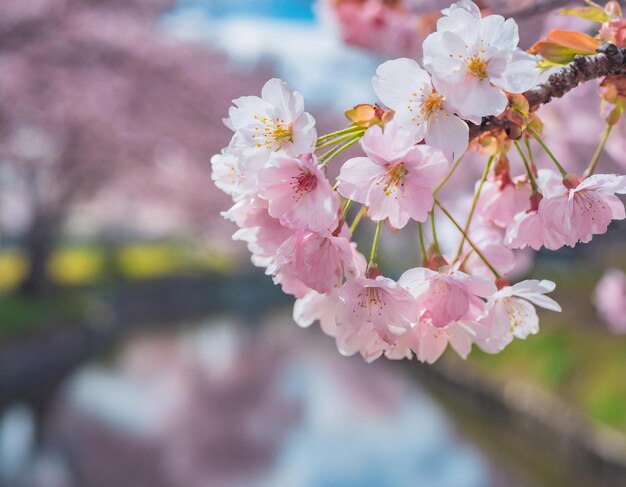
(140, 348)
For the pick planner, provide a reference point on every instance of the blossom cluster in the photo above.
(294, 219)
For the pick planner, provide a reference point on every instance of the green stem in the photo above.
(338, 133)
(530, 152)
(421, 239)
(325, 158)
(469, 241)
(357, 219)
(345, 210)
(338, 139)
(594, 160)
(531, 178)
(473, 207)
(448, 176)
(375, 244)
(550, 154)
(434, 229)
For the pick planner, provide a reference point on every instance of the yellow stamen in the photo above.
(477, 67)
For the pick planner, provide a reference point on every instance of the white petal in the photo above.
(521, 73)
(449, 134)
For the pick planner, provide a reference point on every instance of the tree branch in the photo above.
(609, 60)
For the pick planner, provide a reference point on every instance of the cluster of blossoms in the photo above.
(294, 220)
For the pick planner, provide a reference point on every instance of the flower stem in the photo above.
(357, 219)
(469, 241)
(421, 239)
(325, 158)
(550, 154)
(474, 203)
(375, 244)
(594, 160)
(338, 133)
(347, 136)
(530, 153)
(434, 229)
(448, 176)
(531, 178)
(345, 209)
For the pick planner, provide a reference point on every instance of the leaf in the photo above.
(595, 13)
(560, 46)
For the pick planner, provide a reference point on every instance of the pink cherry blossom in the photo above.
(609, 298)
(319, 260)
(446, 297)
(298, 193)
(501, 199)
(396, 178)
(263, 234)
(276, 121)
(528, 228)
(510, 313)
(405, 87)
(584, 208)
(430, 341)
(317, 307)
(372, 313)
(490, 241)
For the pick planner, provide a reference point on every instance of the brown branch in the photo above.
(609, 60)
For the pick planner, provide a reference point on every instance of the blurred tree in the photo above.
(94, 96)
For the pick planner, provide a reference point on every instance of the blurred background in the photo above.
(138, 345)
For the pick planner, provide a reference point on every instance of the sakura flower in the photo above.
(380, 301)
(372, 314)
(446, 297)
(473, 59)
(405, 87)
(510, 313)
(396, 178)
(263, 234)
(317, 307)
(584, 208)
(503, 198)
(319, 260)
(275, 121)
(231, 176)
(490, 241)
(298, 193)
(528, 228)
(431, 341)
(609, 298)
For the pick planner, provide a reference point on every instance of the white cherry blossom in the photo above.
(472, 59)
(403, 85)
(275, 121)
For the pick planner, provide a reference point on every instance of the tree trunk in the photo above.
(38, 246)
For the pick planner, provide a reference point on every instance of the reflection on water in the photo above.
(221, 404)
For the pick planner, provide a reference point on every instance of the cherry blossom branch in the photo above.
(609, 60)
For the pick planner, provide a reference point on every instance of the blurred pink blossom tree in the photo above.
(95, 99)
